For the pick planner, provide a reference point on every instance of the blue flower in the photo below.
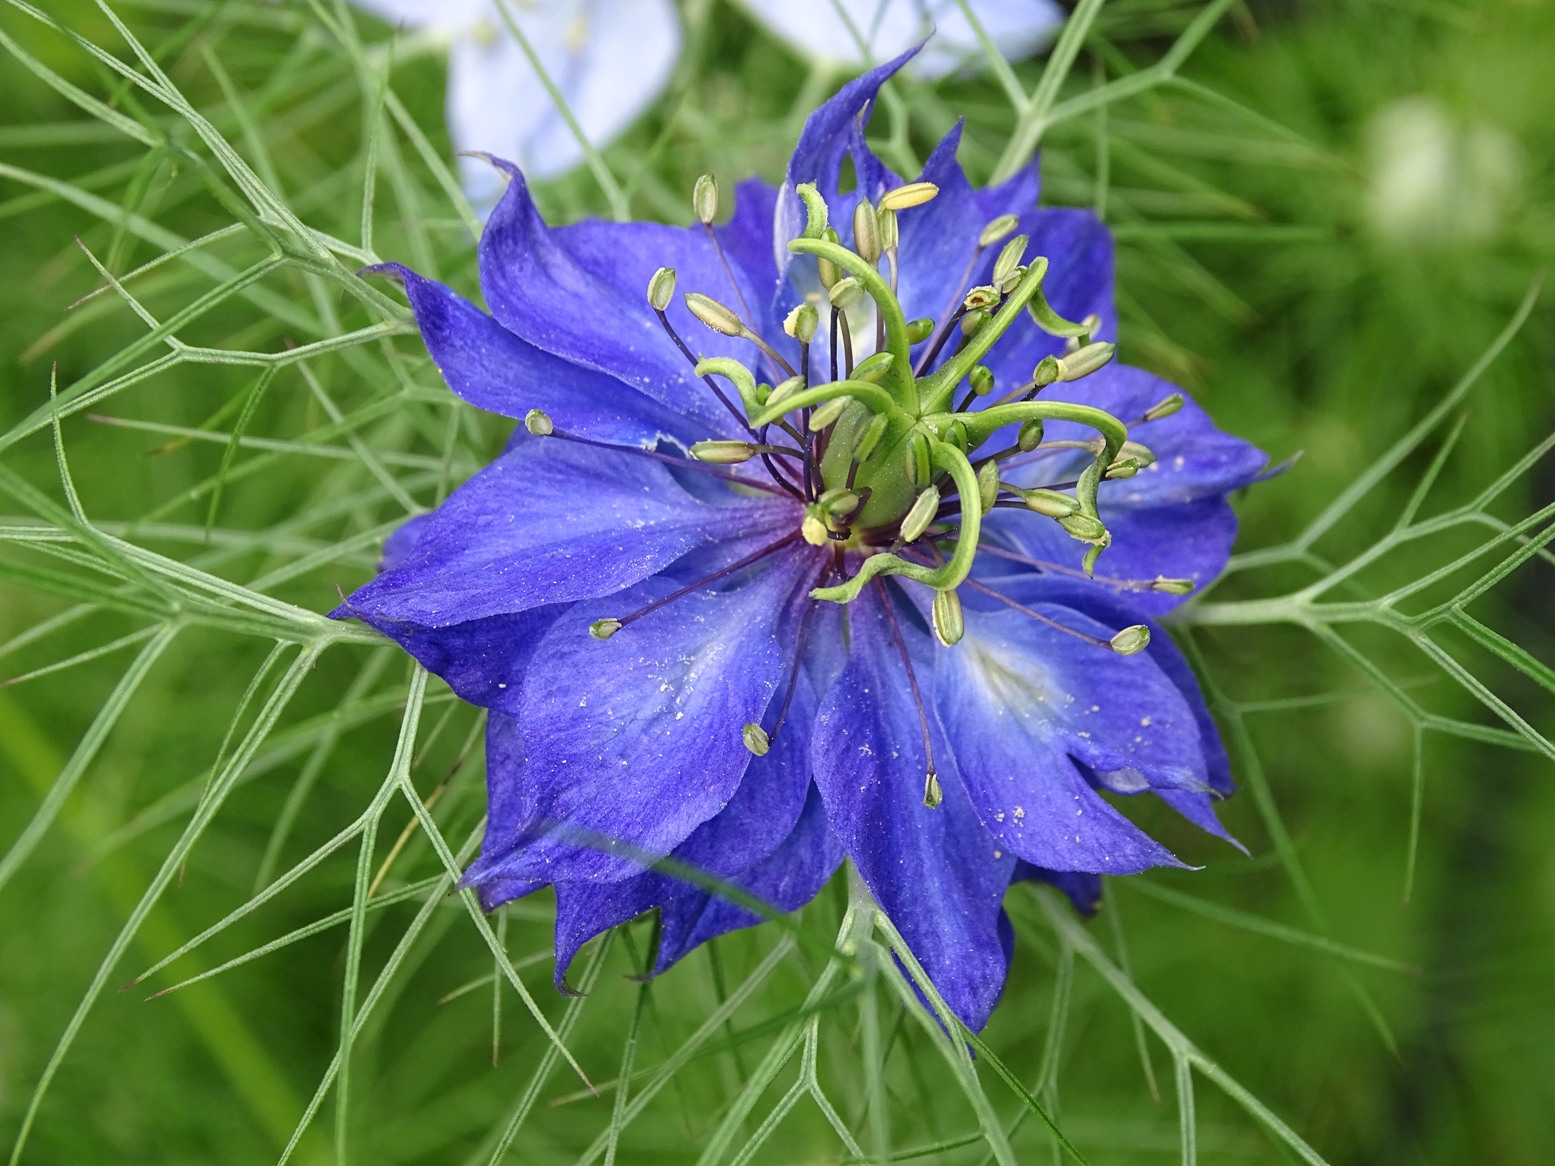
(761, 583)
(858, 32)
(609, 61)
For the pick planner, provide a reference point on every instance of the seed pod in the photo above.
(661, 288)
(704, 199)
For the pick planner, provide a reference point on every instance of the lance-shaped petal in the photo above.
(548, 522)
(1021, 701)
(581, 292)
(869, 764)
(632, 743)
(495, 370)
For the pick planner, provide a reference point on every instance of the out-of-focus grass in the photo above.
(1256, 267)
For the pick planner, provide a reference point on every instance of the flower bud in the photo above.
(1164, 408)
(1001, 228)
(723, 453)
(919, 330)
(933, 793)
(1009, 257)
(538, 423)
(1050, 503)
(716, 316)
(756, 739)
(1172, 586)
(922, 513)
(844, 293)
(704, 199)
(661, 288)
(1030, 435)
(981, 379)
(1085, 360)
(801, 323)
(1134, 638)
(947, 617)
(911, 195)
(866, 232)
(988, 485)
(873, 367)
(603, 629)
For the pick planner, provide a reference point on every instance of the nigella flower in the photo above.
(852, 549)
(608, 60)
(859, 32)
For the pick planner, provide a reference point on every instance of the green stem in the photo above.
(898, 377)
(983, 425)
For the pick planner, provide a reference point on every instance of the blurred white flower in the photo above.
(851, 33)
(1436, 180)
(609, 59)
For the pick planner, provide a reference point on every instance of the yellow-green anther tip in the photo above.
(661, 288)
(933, 792)
(538, 423)
(948, 619)
(603, 629)
(911, 195)
(718, 317)
(999, 228)
(756, 739)
(1135, 638)
(1172, 586)
(919, 330)
(917, 520)
(704, 199)
(726, 453)
(1164, 408)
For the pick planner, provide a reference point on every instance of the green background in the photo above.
(1376, 971)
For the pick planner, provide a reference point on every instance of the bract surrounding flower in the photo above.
(860, 32)
(608, 60)
(803, 562)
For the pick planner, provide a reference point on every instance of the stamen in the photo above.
(781, 489)
(984, 589)
(620, 622)
(1159, 583)
(931, 787)
(718, 392)
(800, 640)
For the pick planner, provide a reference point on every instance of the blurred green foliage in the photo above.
(1324, 219)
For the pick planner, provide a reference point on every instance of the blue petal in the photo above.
(1117, 611)
(581, 292)
(759, 820)
(833, 132)
(483, 660)
(785, 881)
(1019, 699)
(937, 873)
(632, 743)
(939, 238)
(547, 522)
(493, 369)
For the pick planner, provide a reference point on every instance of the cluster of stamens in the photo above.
(886, 464)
